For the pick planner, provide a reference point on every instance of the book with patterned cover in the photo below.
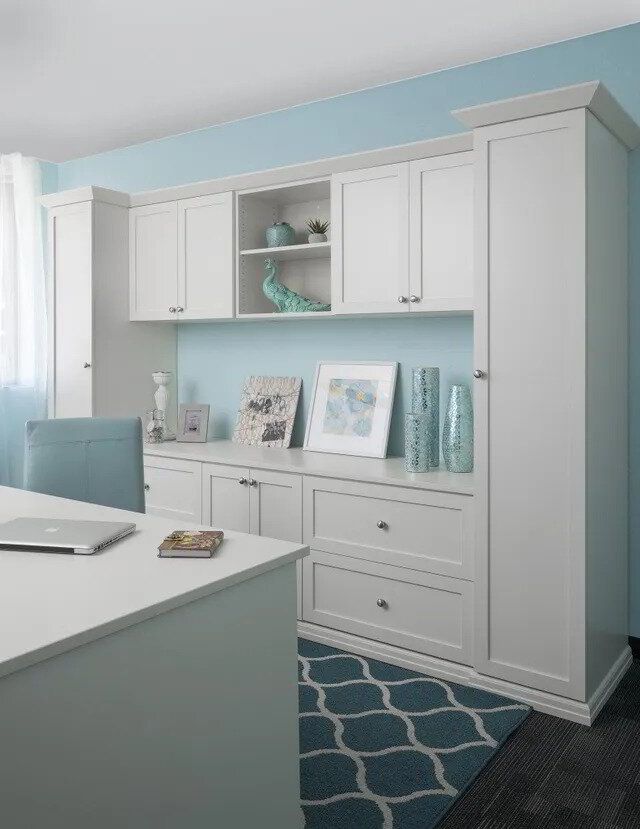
(191, 544)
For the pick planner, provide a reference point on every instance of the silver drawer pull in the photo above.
(242, 481)
(382, 603)
(147, 487)
(382, 525)
(253, 482)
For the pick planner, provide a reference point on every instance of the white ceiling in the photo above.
(82, 76)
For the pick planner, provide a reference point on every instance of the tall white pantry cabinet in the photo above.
(100, 364)
(551, 340)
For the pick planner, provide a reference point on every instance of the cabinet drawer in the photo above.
(422, 612)
(173, 488)
(430, 531)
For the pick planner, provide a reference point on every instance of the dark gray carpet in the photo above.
(559, 775)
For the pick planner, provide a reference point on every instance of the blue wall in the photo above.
(213, 359)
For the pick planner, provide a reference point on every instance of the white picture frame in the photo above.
(193, 423)
(350, 408)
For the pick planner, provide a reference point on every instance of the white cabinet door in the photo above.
(276, 511)
(441, 236)
(276, 505)
(71, 328)
(370, 240)
(172, 489)
(153, 261)
(225, 497)
(530, 409)
(205, 257)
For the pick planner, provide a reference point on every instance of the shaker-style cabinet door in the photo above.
(153, 262)
(370, 240)
(276, 510)
(172, 488)
(70, 263)
(441, 243)
(205, 257)
(225, 497)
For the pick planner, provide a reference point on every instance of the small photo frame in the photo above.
(350, 410)
(193, 423)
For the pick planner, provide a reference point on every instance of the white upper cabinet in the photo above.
(181, 259)
(153, 252)
(205, 257)
(441, 233)
(370, 240)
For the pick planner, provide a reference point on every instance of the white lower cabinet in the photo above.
(410, 609)
(172, 488)
(261, 502)
(226, 497)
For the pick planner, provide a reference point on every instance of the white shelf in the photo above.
(321, 250)
(284, 315)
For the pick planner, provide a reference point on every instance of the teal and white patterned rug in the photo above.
(385, 748)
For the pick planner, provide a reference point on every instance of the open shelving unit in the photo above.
(302, 267)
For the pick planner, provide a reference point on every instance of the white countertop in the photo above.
(370, 470)
(52, 603)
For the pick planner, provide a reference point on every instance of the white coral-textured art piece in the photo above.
(267, 411)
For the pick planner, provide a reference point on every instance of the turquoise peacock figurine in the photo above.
(284, 298)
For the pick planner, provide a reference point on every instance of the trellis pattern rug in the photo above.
(385, 748)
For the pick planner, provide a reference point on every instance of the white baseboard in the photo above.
(568, 709)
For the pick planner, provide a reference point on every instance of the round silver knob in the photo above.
(382, 525)
(253, 482)
(479, 374)
(172, 309)
(179, 309)
(147, 487)
(414, 298)
(382, 603)
(402, 299)
(242, 481)
(86, 365)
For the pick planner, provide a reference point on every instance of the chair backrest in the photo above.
(94, 459)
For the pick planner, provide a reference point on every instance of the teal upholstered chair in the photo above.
(94, 459)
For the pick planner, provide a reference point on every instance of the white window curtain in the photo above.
(23, 324)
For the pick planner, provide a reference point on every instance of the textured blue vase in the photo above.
(425, 397)
(280, 234)
(457, 433)
(416, 451)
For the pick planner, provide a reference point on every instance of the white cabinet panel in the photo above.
(172, 489)
(441, 241)
(425, 613)
(276, 505)
(205, 257)
(70, 253)
(530, 424)
(153, 261)
(370, 240)
(429, 531)
(226, 497)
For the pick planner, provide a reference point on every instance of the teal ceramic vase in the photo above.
(416, 450)
(457, 433)
(280, 234)
(425, 397)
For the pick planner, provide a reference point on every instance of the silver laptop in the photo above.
(55, 535)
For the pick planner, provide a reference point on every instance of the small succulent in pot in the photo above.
(317, 230)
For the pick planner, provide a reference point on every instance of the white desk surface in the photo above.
(51, 603)
(321, 464)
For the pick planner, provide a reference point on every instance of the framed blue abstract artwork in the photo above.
(350, 408)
